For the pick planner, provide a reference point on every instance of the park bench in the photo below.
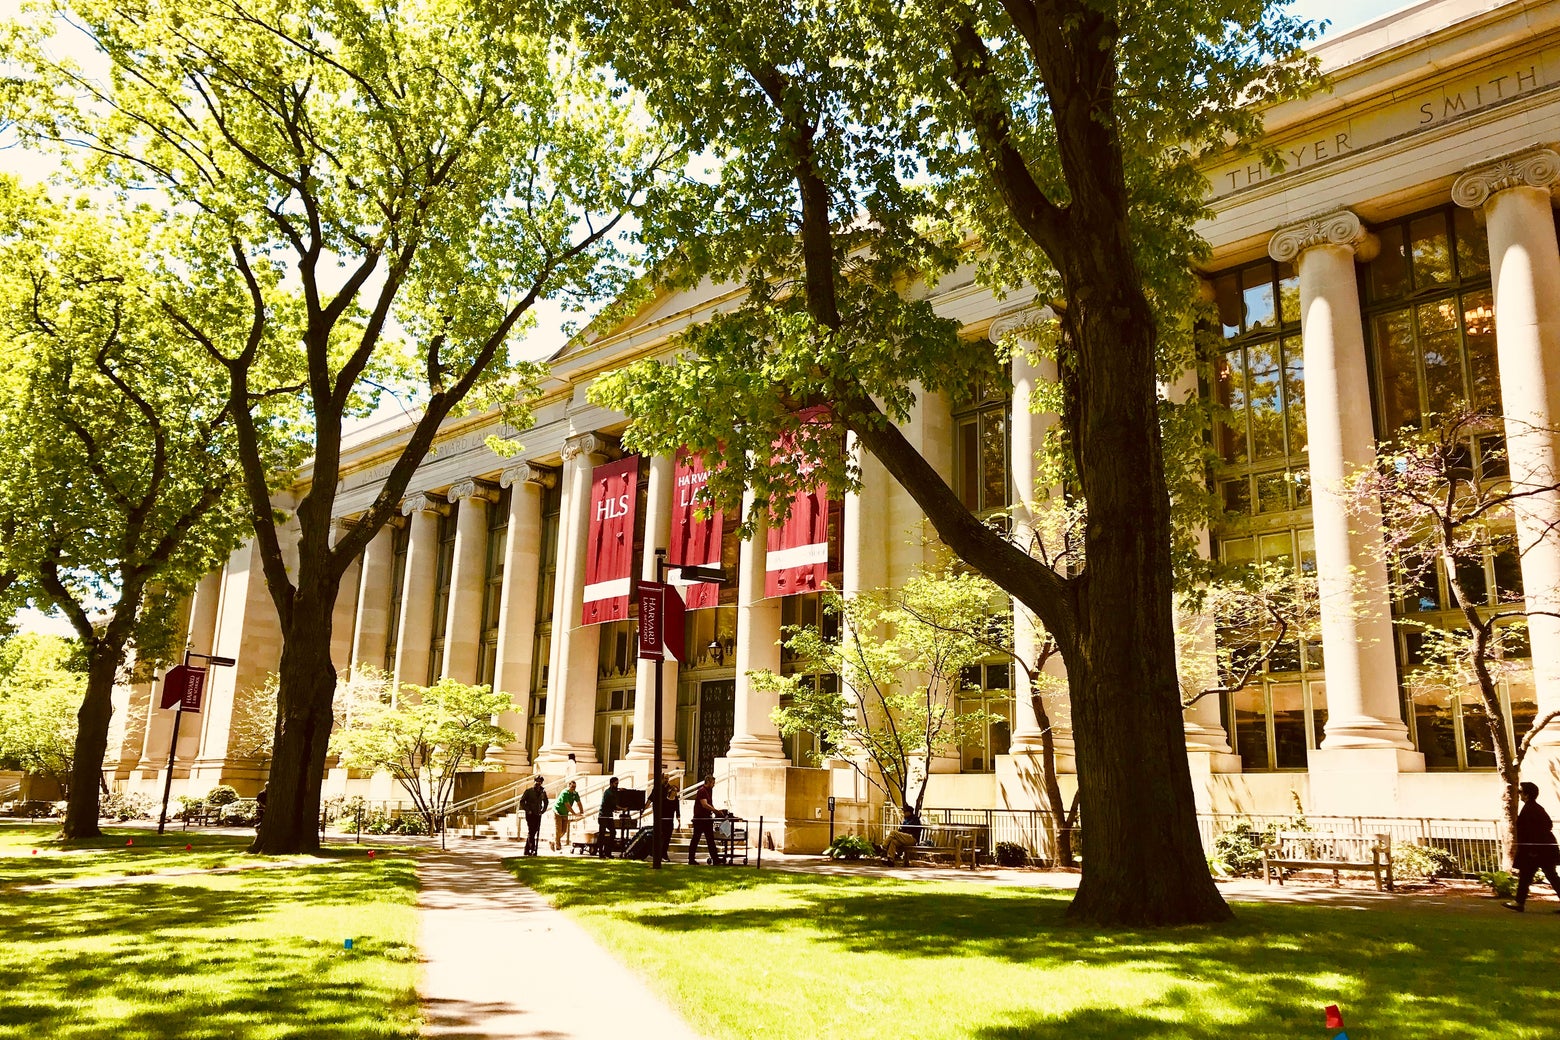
(956, 844)
(1327, 850)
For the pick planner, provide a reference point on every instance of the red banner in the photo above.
(609, 550)
(661, 632)
(182, 687)
(695, 542)
(798, 556)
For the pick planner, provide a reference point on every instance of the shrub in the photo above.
(1502, 884)
(245, 812)
(128, 806)
(1237, 852)
(189, 808)
(221, 795)
(849, 846)
(1413, 861)
(1011, 854)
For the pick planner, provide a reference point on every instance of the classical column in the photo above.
(468, 574)
(1026, 438)
(753, 732)
(371, 630)
(572, 665)
(1514, 193)
(343, 618)
(414, 638)
(516, 651)
(1363, 713)
(658, 532)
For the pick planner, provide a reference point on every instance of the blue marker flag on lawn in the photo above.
(349, 946)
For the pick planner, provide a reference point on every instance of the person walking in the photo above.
(534, 803)
(1536, 847)
(671, 809)
(604, 828)
(704, 822)
(568, 804)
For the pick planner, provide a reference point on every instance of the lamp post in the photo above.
(653, 646)
(183, 686)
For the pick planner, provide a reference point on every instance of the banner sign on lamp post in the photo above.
(695, 540)
(182, 688)
(609, 550)
(798, 556)
(660, 622)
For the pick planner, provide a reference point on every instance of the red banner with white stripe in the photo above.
(609, 552)
(695, 540)
(798, 556)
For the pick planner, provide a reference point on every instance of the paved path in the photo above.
(499, 963)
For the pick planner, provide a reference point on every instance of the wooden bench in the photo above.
(1327, 850)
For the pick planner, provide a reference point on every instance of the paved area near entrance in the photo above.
(499, 963)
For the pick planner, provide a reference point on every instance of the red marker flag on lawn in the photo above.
(1334, 1017)
(798, 556)
(609, 550)
(695, 540)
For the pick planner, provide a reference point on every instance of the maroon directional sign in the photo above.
(660, 622)
(182, 687)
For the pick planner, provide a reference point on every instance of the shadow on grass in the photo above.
(1410, 972)
(256, 954)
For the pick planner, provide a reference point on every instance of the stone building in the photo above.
(1404, 257)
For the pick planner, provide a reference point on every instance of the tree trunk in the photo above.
(97, 709)
(304, 717)
(1061, 825)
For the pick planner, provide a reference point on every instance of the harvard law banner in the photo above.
(798, 557)
(609, 551)
(695, 541)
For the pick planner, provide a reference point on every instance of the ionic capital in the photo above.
(1530, 168)
(584, 444)
(528, 473)
(422, 502)
(1022, 321)
(470, 489)
(1338, 228)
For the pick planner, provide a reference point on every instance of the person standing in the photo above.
(671, 809)
(609, 804)
(534, 803)
(1536, 847)
(568, 804)
(704, 821)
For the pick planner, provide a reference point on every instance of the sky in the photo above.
(1342, 14)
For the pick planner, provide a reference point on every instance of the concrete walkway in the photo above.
(499, 963)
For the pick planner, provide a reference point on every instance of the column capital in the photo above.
(1019, 321)
(470, 489)
(584, 444)
(422, 502)
(1338, 228)
(1530, 168)
(528, 473)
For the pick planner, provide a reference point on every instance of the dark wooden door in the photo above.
(717, 713)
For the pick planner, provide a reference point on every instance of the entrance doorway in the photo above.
(717, 715)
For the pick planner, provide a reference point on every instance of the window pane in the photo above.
(993, 459)
(1508, 573)
(1267, 415)
(1289, 743)
(1294, 395)
(1433, 728)
(1479, 335)
(1318, 713)
(1226, 297)
(1250, 711)
(1236, 551)
(1478, 743)
(1473, 245)
(1431, 252)
(1438, 345)
(1470, 575)
(1257, 293)
(1389, 271)
(1272, 493)
(1237, 496)
(1278, 547)
(1399, 372)
(969, 465)
(997, 677)
(1288, 294)
(1307, 542)
(1232, 395)
(1524, 706)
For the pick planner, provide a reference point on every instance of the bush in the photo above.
(849, 846)
(1237, 852)
(1412, 861)
(221, 795)
(190, 808)
(1011, 854)
(245, 812)
(128, 806)
(1502, 884)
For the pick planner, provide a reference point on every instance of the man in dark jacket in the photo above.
(605, 846)
(704, 821)
(1536, 847)
(671, 810)
(534, 803)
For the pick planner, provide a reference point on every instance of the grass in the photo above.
(256, 955)
(59, 860)
(780, 955)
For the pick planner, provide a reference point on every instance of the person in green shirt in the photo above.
(567, 804)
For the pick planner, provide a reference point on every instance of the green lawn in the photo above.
(57, 860)
(254, 955)
(782, 955)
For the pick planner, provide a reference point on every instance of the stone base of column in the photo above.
(1030, 745)
(1359, 781)
(1021, 781)
(795, 816)
(1209, 740)
(244, 775)
(511, 758)
(553, 758)
(762, 748)
(1366, 732)
(1208, 768)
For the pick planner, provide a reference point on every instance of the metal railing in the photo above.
(1474, 843)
